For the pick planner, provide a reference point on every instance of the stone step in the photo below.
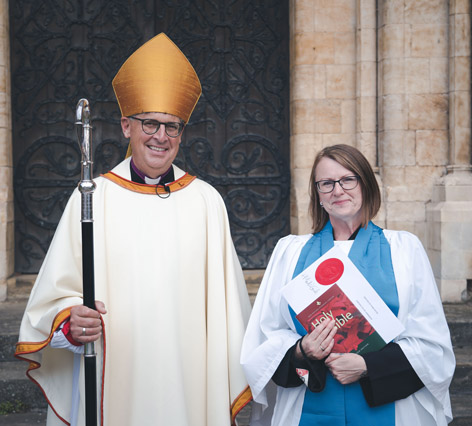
(33, 418)
(17, 392)
(10, 319)
(461, 410)
(19, 287)
(459, 318)
(462, 380)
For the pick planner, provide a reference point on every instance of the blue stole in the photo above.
(337, 404)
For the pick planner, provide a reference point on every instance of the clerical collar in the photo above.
(139, 177)
(353, 236)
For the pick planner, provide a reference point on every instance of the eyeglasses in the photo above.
(326, 185)
(151, 126)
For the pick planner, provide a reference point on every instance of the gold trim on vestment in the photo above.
(244, 398)
(30, 347)
(142, 188)
(25, 348)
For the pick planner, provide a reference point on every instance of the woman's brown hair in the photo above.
(352, 159)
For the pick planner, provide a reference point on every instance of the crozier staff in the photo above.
(405, 383)
(86, 188)
(166, 270)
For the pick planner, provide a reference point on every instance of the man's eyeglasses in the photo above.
(326, 185)
(151, 126)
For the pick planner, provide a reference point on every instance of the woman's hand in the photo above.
(318, 343)
(88, 320)
(346, 368)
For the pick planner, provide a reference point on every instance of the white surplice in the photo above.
(426, 341)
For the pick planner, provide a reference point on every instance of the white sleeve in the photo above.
(59, 340)
(426, 341)
(270, 332)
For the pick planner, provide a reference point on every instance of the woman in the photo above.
(405, 383)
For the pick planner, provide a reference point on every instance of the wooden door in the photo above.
(237, 138)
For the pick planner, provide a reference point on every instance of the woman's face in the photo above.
(340, 204)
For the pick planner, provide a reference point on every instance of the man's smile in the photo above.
(156, 148)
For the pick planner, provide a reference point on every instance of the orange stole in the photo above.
(142, 188)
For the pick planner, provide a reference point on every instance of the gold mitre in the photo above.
(157, 78)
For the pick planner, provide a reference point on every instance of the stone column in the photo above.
(413, 107)
(449, 215)
(322, 89)
(303, 89)
(366, 80)
(6, 168)
(366, 88)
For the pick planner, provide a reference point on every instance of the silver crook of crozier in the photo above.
(84, 133)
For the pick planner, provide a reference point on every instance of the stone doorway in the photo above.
(237, 139)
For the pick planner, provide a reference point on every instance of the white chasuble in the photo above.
(176, 302)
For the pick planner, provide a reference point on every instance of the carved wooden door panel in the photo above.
(237, 138)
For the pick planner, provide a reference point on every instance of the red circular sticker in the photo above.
(329, 271)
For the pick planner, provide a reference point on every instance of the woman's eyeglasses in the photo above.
(326, 185)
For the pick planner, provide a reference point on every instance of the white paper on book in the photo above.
(305, 289)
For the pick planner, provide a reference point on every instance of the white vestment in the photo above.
(426, 341)
(176, 302)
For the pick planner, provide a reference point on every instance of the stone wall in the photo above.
(323, 65)
(6, 169)
(392, 78)
(413, 107)
(449, 215)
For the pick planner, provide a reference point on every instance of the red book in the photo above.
(354, 334)
(332, 287)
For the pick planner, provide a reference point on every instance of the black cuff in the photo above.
(390, 376)
(287, 377)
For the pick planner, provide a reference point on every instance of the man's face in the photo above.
(152, 154)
